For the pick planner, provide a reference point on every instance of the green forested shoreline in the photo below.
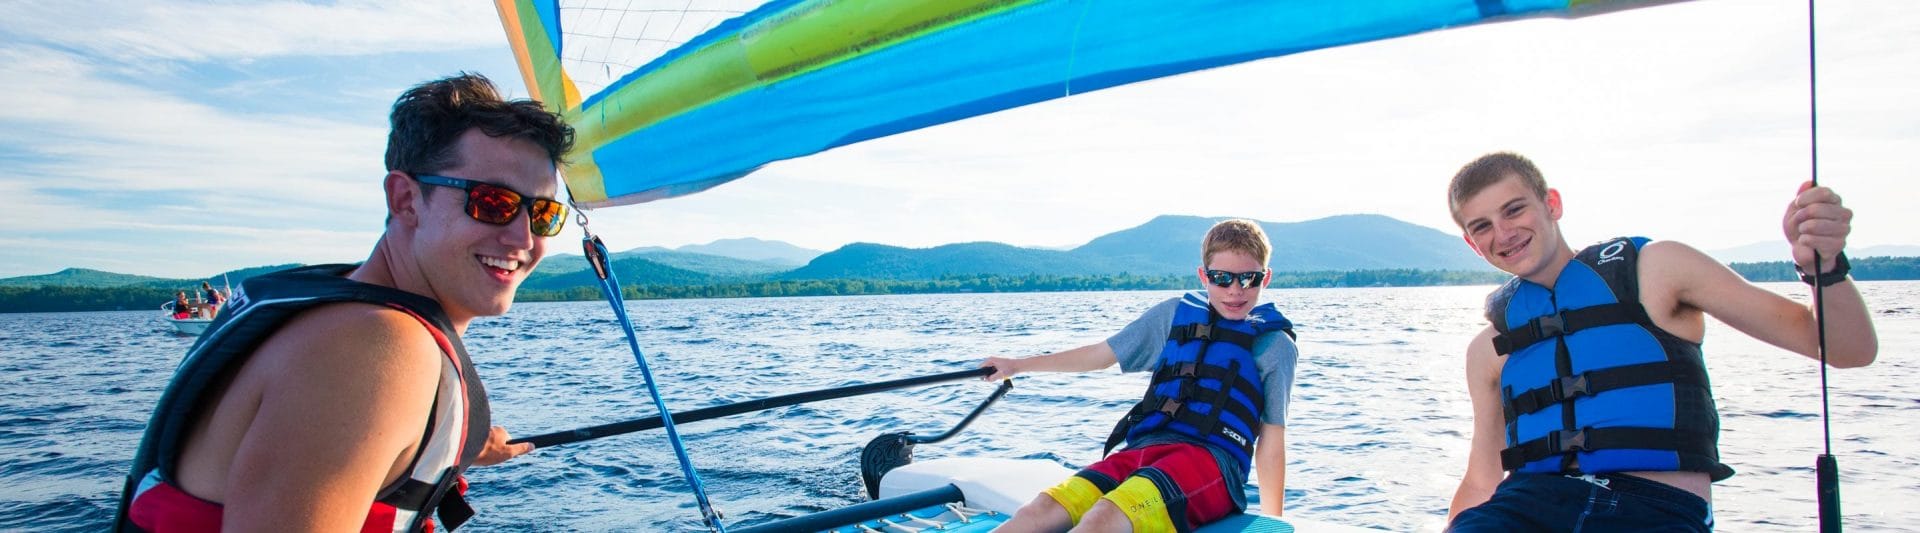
(61, 299)
(71, 298)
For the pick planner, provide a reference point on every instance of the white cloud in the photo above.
(201, 31)
(154, 158)
(94, 133)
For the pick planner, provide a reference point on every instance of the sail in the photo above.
(673, 97)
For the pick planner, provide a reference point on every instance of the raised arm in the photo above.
(1085, 358)
(1692, 281)
(1698, 283)
(1483, 459)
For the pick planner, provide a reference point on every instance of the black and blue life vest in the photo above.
(1206, 384)
(1590, 385)
(456, 431)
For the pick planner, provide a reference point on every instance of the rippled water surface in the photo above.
(1378, 433)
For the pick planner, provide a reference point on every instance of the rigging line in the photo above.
(1826, 469)
(597, 255)
(748, 406)
(1819, 303)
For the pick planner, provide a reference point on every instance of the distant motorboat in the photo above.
(196, 320)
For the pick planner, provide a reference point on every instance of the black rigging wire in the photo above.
(1826, 470)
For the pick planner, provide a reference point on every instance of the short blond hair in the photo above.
(1488, 170)
(1239, 235)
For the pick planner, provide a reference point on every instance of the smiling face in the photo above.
(1516, 230)
(473, 268)
(1233, 301)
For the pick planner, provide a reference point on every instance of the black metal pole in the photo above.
(1005, 385)
(706, 413)
(1826, 470)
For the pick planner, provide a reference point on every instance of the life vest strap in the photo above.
(454, 509)
(1121, 428)
(1567, 322)
(1595, 439)
(1568, 388)
(1176, 407)
(1208, 332)
(450, 505)
(1211, 424)
(1189, 375)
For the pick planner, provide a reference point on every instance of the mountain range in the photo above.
(82, 277)
(1165, 245)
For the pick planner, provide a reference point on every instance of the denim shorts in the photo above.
(1607, 503)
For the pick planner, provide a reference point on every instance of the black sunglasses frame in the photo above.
(1226, 279)
(526, 204)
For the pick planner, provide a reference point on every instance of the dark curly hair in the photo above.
(429, 118)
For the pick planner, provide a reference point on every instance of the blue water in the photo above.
(1377, 436)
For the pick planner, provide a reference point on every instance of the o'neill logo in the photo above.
(1612, 252)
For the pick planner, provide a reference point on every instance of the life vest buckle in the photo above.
(1549, 326)
(1186, 370)
(1570, 387)
(1567, 440)
(1203, 331)
(1171, 407)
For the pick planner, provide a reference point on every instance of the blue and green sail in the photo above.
(788, 78)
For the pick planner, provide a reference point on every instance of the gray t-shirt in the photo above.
(1138, 346)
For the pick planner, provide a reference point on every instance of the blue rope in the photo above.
(597, 254)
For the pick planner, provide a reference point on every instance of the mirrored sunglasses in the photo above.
(1222, 278)
(497, 205)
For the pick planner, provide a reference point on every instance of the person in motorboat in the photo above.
(1214, 409)
(340, 397)
(1591, 404)
(182, 309)
(214, 298)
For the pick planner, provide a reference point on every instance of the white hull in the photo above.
(191, 326)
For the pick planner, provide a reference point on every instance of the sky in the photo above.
(183, 139)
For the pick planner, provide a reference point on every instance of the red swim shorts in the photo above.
(1152, 485)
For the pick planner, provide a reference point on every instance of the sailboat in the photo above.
(660, 115)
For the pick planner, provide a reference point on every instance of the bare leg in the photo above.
(1104, 517)
(1043, 514)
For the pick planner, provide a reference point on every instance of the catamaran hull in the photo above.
(1003, 485)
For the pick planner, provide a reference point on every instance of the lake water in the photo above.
(1377, 436)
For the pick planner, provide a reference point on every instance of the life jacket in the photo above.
(1590, 385)
(1206, 384)
(455, 433)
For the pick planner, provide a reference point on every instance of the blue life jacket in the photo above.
(455, 433)
(1206, 384)
(1590, 385)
